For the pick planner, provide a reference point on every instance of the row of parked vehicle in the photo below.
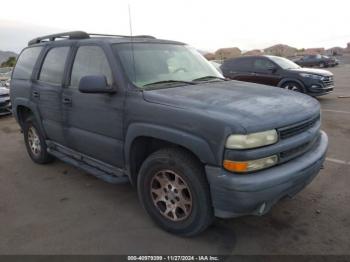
(280, 72)
(5, 103)
(317, 61)
(155, 112)
(5, 76)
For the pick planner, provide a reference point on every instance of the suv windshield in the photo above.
(284, 63)
(148, 64)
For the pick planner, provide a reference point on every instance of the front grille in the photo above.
(328, 81)
(297, 151)
(4, 95)
(293, 130)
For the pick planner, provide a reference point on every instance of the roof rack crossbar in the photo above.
(69, 35)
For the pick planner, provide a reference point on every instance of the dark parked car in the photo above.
(156, 113)
(280, 72)
(5, 103)
(317, 60)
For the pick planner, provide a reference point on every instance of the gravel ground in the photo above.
(57, 209)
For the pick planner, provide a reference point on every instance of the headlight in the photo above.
(252, 140)
(252, 165)
(317, 77)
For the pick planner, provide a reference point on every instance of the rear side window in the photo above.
(53, 66)
(240, 64)
(26, 62)
(90, 60)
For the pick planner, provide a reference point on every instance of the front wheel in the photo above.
(173, 189)
(293, 86)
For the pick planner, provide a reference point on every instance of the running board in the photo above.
(103, 171)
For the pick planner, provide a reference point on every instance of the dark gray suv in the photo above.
(156, 113)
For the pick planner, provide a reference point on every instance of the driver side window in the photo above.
(262, 65)
(90, 60)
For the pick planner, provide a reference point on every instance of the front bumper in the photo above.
(318, 90)
(254, 194)
(318, 87)
(5, 107)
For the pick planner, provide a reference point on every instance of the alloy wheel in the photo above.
(292, 87)
(171, 195)
(34, 141)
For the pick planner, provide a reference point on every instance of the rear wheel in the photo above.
(294, 86)
(172, 188)
(35, 142)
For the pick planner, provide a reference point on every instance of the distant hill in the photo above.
(4, 55)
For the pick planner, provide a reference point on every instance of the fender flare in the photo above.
(30, 105)
(195, 144)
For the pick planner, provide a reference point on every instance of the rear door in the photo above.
(266, 72)
(94, 122)
(21, 82)
(239, 69)
(47, 91)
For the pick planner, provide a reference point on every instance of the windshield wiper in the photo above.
(169, 82)
(206, 78)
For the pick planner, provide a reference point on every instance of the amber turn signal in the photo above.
(251, 165)
(235, 166)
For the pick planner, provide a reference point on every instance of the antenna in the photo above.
(132, 44)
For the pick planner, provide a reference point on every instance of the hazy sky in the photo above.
(205, 24)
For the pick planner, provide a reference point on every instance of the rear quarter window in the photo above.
(26, 62)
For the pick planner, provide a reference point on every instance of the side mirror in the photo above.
(94, 84)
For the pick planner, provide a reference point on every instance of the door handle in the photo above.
(66, 100)
(36, 94)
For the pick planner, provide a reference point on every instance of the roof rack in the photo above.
(66, 35)
(134, 36)
(79, 35)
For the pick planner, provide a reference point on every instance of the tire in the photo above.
(174, 169)
(293, 86)
(35, 142)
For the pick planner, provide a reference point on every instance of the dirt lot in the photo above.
(57, 209)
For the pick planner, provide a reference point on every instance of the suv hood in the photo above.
(251, 106)
(314, 71)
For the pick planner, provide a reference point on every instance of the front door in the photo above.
(266, 72)
(94, 122)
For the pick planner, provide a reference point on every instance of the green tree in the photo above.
(10, 62)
